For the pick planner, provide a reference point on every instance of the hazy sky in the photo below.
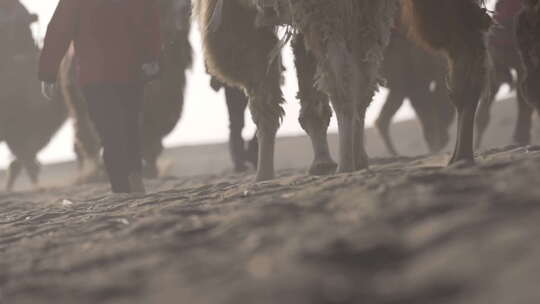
(205, 116)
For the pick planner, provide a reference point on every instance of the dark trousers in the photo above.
(116, 111)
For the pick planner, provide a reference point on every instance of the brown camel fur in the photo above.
(528, 37)
(347, 39)
(27, 120)
(164, 97)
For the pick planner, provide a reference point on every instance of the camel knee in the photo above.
(266, 110)
(315, 111)
(315, 116)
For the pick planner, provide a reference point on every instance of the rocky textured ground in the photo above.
(405, 231)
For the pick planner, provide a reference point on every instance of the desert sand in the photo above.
(409, 230)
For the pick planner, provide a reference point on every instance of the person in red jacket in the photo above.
(117, 44)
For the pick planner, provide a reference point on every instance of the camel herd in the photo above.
(346, 40)
(448, 57)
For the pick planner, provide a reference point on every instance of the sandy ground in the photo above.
(406, 231)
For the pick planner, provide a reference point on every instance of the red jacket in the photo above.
(112, 39)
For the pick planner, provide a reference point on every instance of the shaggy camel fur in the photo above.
(347, 39)
(164, 97)
(410, 72)
(528, 37)
(27, 120)
(236, 105)
(414, 73)
(505, 56)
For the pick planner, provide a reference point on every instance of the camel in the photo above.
(347, 39)
(27, 120)
(414, 73)
(528, 40)
(503, 49)
(164, 97)
(15, 23)
(236, 105)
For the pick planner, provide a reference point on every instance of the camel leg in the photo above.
(435, 133)
(265, 106)
(529, 71)
(239, 54)
(522, 131)
(87, 143)
(163, 102)
(345, 113)
(151, 152)
(350, 83)
(444, 109)
(468, 68)
(89, 148)
(393, 102)
(33, 168)
(79, 154)
(361, 160)
(458, 28)
(252, 151)
(265, 99)
(236, 106)
(14, 170)
(445, 116)
(366, 80)
(483, 115)
(315, 111)
(345, 93)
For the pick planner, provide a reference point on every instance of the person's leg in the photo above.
(106, 112)
(132, 100)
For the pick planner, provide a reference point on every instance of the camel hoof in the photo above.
(252, 155)
(240, 168)
(91, 177)
(522, 140)
(461, 163)
(262, 177)
(343, 170)
(437, 145)
(150, 172)
(323, 168)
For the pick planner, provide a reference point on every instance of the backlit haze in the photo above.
(205, 117)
